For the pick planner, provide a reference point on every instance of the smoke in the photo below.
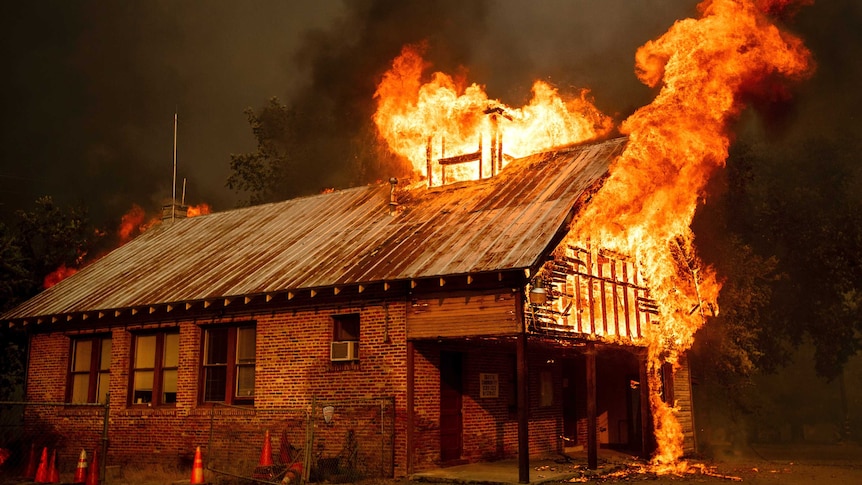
(92, 87)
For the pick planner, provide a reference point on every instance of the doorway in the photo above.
(451, 419)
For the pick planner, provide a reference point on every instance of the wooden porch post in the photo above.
(592, 444)
(646, 429)
(411, 381)
(523, 417)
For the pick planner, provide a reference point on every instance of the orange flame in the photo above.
(451, 116)
(198, 210)
(133, 223)
(57, 276)
(705, 67)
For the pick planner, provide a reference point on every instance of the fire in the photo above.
(451, 117)
(198, 210)
(705, 68)
(134, 222)
(57, 276)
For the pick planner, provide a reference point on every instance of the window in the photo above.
(154, 368)
(228, 365)
(346, 327)
(90, 370)
(345, 338)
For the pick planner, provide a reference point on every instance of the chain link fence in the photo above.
(30, 439)
(327, 441)
(337, 442)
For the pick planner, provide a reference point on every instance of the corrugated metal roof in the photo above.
(340, 238)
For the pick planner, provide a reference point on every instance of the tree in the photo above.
(786, 233)
(300, 153)
(41, 241)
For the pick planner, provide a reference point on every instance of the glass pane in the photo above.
(216, 351)
(83, 353)
(214, 383)
(80, 388)
(172, 350)
(245, 345)
(143, 387)
(145, 352)
(169, 386)
(104, 386)
(105, 360)
(245, 381)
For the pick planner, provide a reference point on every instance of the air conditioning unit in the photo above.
(344, 350)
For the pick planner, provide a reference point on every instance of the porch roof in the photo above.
(348, 237)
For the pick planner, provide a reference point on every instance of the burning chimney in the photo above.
(495, 150)
(393, 203)
(173, 210)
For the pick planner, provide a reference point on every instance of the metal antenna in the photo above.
(174, 183)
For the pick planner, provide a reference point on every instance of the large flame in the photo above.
(451, 117)
(705, 68)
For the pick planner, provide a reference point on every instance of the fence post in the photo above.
(104, 452)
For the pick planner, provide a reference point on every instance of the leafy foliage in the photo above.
(299, 153)
(786, 232)
(40, 241)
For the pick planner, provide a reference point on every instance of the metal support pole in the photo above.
(104, 451)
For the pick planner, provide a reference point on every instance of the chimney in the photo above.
(173, 210)
(393, 204)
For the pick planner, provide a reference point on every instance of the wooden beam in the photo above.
(442, 282)
(169, 308)
(247, 300)
(134, 312)
(336, 290)
(268, 297)
(469, 280)
(592, 444)
(290, 295)
(522, 396)
(313, 293)
(361, 288)
(411, 413)
(385, 286)
(189, 306)
(207, 303)
(117, 313)
(413, 284)
(646, 427)
(227, 301)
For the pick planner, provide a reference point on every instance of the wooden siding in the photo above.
(594, 293)
(462, 315)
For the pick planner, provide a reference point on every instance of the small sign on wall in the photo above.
(489, 385)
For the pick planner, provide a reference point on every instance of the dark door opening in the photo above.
(573, 372)
(451, 422)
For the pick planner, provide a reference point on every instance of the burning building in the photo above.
(430, 296)
(535, 291)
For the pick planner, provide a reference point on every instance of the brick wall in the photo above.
(292, 366)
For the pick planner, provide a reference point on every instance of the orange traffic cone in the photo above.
(198, 468)
(93, 474)
(53, 473)
(30, 471)
(81, 471)
(42, 471)
(266, 452)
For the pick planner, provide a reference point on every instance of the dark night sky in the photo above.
(90, 88)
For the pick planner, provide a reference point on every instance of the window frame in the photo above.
(231, 365)
(94, 368)
(158, 368)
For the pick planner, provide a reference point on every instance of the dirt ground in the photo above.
(757, 464)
